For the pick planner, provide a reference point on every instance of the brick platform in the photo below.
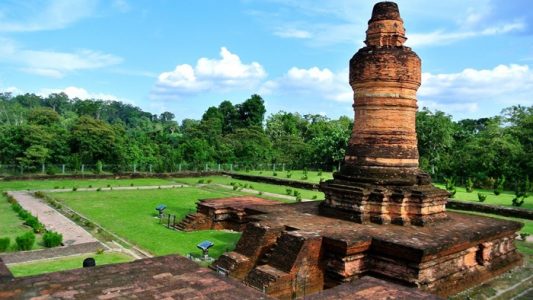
(222, 213)
(291, 248)
(167, 277)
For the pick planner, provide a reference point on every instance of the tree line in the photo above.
(59, 130)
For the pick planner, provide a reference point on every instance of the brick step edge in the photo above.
(57, 252)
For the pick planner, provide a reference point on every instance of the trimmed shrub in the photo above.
(274, 174)
(498, 186)
(4, 244)
(34, 223)
(74, 189)
(25, 241)
(98, 189)
(288, 191)
(452, 193)
(469, 185)
(52, 239)
(481, 197)
(315, 197)
(450, 183)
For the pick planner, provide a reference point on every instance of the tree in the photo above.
(251, 112)
(93, 140)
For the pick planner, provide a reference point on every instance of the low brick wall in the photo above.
(24, 256)
(278, 181)
(113, 176)
(491, 209)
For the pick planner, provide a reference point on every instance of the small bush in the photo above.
(131, 184)
(16, 207)
(315, 197)
(34, 223)
(108, 185)
(201, 181)
(56, 187)
(274, 174)
(39, 194)
(452, 193)
(450, 183)
(469, 185)
(481, 197)
(289, 174)
(295, 193)
(25, 241)
(4, 244)
(99, 251)
(52, 239)
(74, 189)
(90, 186)
(98, 189)
(89, 224)
(235, 187)
(498, 185)
(319, 173)
(251, 187)
(288, 191)
(519, 200)
(304, 177)
(209, 180)
(260, 193)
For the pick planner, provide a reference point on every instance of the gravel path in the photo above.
(52, 219)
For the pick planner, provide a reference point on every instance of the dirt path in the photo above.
(52, 219)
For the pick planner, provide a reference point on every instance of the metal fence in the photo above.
(95, 169)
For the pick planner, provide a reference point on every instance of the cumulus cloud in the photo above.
(313, 82)
(471, 89)
(80, 93)
(27, 16)
(52, 63)
(224, 74)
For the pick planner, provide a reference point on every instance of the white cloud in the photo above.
(224, 74)
(51, 63)
(83, 94)
(313, 82)
(292, 33)
(441, 37)
(471, 89)
(27, 16)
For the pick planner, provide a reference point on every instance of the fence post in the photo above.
(82, 169)
(273, 167)
(63, 169)
(21, 170)
(150, 168)
(43, 168)
(206, 167)
(134, 168)
(231, 167)
(168, 223)
(219, 167)
(179, 168)
(283, 167)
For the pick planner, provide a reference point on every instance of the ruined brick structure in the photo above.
(380, 180)
(293, 250)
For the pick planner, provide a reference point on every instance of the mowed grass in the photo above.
(12, 226)
(66, 263)
(131, 215)
(258, 186)
(312, 176)
(504, 199)
(49, 184)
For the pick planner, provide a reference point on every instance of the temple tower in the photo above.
(380, 180)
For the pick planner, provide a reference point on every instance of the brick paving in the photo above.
(72, 233)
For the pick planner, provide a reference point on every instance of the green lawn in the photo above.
(80, 183)
(131, 215)
(504, 198)
(66, 263)
(12, 226)
(264, 187)
(312, 176)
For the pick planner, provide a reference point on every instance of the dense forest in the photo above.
(56, 130)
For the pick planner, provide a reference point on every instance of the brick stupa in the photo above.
(380, 180)
(381, 216)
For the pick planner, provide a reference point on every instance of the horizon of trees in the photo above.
(59, 130)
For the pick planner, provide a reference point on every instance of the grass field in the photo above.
(505, 198)
(132, 216)
(80, 183)
(66, 263)
(264, 187)
(12, 226)
(312, 176)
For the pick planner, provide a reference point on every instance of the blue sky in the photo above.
(184, 56)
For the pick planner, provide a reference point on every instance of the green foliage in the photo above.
(498, 186)
(481, 197)
(288, 191)
(34, 223)
(25, 241)
(450, 183)
(452, 193)
(52, 239)
(4, 244)
(469, 185)
(74, 189)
